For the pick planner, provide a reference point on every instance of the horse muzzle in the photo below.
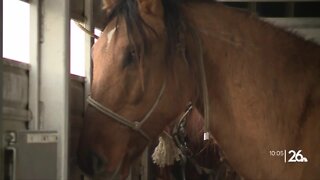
(91, 163)
(94, 166)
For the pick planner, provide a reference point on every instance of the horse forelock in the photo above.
(137, 28)
(127, 12)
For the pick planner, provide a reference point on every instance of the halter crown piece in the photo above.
(204, 86)
(167, 152)
(205, 96)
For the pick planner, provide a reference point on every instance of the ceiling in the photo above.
(263, 8)
(77, 12)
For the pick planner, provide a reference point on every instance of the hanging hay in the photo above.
(166, 152)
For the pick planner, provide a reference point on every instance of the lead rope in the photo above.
(86, 30)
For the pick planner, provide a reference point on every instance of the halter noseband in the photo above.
(136, 125)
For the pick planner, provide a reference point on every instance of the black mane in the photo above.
(128, 10)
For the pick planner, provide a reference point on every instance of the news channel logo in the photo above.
(291, 156)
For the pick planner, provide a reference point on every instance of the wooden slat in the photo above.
(15, 85)
(13, 114)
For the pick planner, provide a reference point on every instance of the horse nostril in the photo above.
(93, 164)
(97, 163)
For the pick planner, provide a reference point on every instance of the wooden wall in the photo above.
(16, 113)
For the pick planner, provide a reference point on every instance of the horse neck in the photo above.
(258, 86)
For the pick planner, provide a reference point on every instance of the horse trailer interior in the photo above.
(43, 105)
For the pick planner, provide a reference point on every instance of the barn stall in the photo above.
(43, 104)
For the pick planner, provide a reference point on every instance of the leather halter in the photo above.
(134, 125)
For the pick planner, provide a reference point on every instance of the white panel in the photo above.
(54, 75)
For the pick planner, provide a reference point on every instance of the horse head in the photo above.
(141, 82)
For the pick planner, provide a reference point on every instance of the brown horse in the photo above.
(263, 86)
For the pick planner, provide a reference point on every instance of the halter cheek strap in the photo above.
(134, 125)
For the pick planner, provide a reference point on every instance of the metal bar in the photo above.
(1, 94)
(54, 75)
(88, 20)
(88, 12)
(145, 169)
(34, 72)
(14, 162)
(290, 9)
(252, 6)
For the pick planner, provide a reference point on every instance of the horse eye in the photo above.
(130, 58)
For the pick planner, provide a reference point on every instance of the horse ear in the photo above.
(108, 4)
(151, 7)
